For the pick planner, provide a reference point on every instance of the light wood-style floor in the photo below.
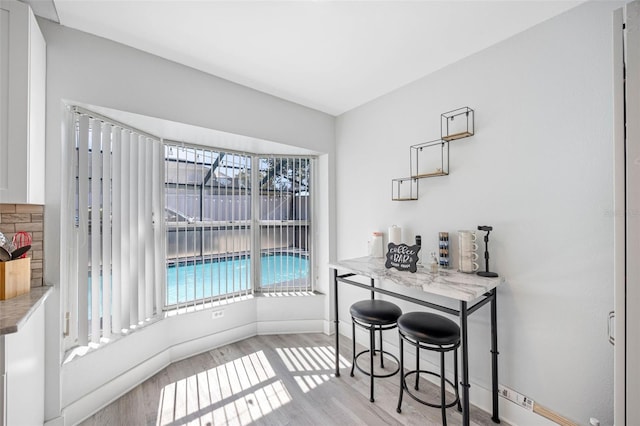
(272, 380)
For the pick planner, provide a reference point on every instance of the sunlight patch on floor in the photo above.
(238, 392)
(311, 366)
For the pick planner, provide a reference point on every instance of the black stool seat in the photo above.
(373, 315)
(376, 312)
(431, 332)
(433, 329)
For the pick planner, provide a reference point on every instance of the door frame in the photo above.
(626, 85)
(619, 199)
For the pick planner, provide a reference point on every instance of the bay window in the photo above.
(155, 225)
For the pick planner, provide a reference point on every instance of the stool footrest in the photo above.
(377, 351)
(430, 404)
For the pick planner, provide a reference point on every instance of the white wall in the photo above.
(95, 71)
(539, 169)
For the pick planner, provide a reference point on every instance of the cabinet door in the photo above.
(36, 99)
(4, 97)
(21, 105)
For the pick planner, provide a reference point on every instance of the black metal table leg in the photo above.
(494, 355)
(465, 364)
(373, 285)
(335, 301)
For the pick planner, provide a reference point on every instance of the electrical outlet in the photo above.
(217, 314)
(515, 397)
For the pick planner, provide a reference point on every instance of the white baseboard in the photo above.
(56, 421)
(193, 347)
(289, 327)
(329, 327)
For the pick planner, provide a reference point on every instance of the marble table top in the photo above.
(15, 312)
(447, 282)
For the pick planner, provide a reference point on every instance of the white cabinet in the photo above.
(24, 372)
(22, 105)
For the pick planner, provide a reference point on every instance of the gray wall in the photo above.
(540, 170)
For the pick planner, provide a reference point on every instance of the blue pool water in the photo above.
(186, 282)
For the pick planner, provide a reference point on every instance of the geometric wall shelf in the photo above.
(404, 189)
(457, 124)
(430, 159)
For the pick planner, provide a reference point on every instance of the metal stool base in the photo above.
(430, 404)
(377, 351)
(372, 351)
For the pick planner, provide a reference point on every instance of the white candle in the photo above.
(395, 234)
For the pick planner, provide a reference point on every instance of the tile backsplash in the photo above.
(29, 218)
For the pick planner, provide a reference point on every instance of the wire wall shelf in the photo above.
(404, 189)
(431, 159)
(457, 124)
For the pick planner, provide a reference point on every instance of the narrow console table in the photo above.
(470, 290)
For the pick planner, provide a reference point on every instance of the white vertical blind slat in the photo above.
(95, 149)
(158, 224)
(149, 241)
(141, 229)
(177, 227)
(106, 230)
(133, 230)
(72, 307)
(125, 243)
(201, 175)
(116, 208)
(82, 239)
(193, 212)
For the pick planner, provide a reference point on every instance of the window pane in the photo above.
(208, 224)
(285, 224)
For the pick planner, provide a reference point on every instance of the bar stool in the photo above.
(432, 332)
(373, 315)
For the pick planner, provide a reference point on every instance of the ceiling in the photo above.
(328, 55)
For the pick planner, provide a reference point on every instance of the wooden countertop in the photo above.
(15, 312)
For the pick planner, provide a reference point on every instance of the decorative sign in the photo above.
(402, 257)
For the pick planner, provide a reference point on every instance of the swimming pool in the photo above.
(194, 281)
(189, 281)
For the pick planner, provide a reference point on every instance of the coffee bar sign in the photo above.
(402, 257)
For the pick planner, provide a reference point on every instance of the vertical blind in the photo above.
(117, 231)
(208, 224)
(285, 224)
